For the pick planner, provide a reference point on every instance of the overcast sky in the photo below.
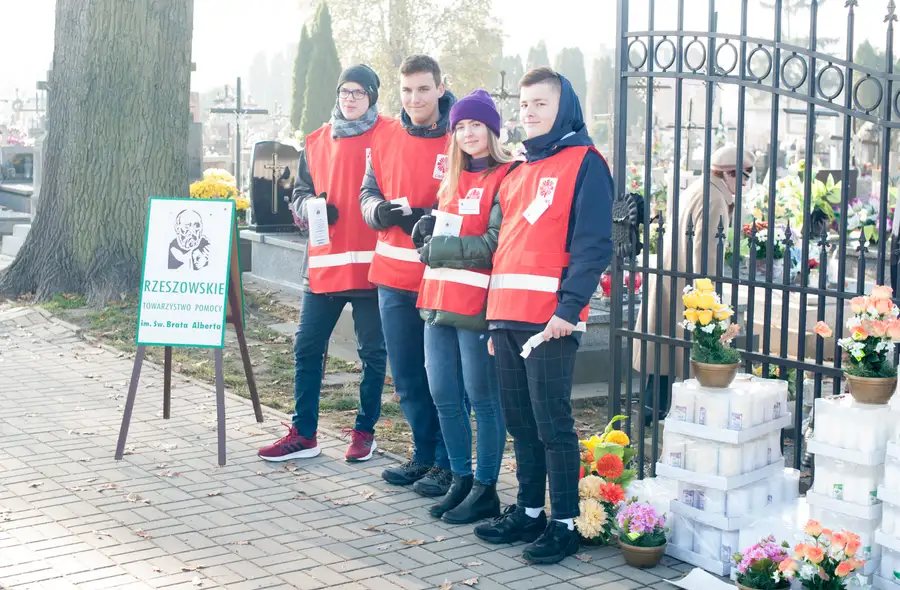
(228, 33)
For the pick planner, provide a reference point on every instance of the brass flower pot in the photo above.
(872, 390)
(714, 375)
(642, 557)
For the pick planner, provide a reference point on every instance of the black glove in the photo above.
(423, 228)
(408, 222)
(425, 251)
(332, 213)
(388, 214)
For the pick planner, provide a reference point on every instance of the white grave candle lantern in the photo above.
(741, 413)
(868, 436)
(683, 399)
(791, 484)
(888, 520)
(730, 460)
(673, 451)
(768, 397)
(748, 457)
(776, 491)
(683, 535)
(711, 409)
(759, 408)
(712, 501)
(759, 497)
(729, 546)
(892, 474)
(687, 494)
(702, 457)
(707, 541)
(774, 445)
(762, 452)
(738, 502)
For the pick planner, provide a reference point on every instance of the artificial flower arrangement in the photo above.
(825, 561)
(874, 332)
(714, 363)
(642, 533)
(758, 566)
(603, 479)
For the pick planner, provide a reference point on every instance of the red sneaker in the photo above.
(362, 445)
(292, 446)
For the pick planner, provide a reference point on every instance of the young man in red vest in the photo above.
(554, 243)
(339, 249)
(401, 184)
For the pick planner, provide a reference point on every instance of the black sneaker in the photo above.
(406, 474)
(435, 483)
(557, 543)
(511, 526)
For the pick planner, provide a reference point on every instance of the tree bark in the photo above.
(117, 134)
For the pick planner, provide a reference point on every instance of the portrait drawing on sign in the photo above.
(190, 248)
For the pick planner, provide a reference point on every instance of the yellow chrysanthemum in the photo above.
(704, 317)
(618, 437)
(691, 315)
(690, 299)
(592, 518)
(589, 487)
(591, 443)
(706, 301)
(703, 285)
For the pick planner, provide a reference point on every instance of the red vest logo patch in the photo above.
(546, 190)
(474, 193)
(440, 167)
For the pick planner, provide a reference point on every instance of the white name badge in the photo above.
(470, 206)
(317, 214)
(403, 202)
(535, 210)
(447, 224)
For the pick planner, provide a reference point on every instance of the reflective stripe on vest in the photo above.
(343, 259)
(525, 283)
(397, 252)
(455, 275)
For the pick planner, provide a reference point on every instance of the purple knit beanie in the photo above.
(478, 106)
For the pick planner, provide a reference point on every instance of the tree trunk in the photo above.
(117, 134)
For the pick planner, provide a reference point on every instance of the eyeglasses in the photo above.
(356, 94)
(746, 173)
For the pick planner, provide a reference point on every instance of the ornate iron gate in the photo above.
(780, 294)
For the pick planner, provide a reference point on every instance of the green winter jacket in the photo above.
(468, 253)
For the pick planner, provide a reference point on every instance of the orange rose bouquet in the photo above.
(825, 561)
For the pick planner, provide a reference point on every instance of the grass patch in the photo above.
(64, 301)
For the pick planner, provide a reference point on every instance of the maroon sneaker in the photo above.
(292, 446)
(362, 445)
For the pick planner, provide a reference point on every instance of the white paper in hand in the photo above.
(317, 215)
(403, 202)
(447, 224)
(538, 339)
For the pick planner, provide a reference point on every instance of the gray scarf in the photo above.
(341, 127)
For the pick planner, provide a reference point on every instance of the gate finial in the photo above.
(892, 8)
(850, 4)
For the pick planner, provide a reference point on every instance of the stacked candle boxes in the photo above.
(887, 537)
(849, 486)
(723, 447)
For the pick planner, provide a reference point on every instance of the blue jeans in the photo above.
(452, 355)
(318, 316)
(403, 334)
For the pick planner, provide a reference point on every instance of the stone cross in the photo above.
(275, 178)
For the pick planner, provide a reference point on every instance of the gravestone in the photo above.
(273, 171)
(851, 178)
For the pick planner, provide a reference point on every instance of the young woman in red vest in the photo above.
(452, 301)
(332, 166)
(554, 243)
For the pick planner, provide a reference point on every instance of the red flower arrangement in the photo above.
(612, 493)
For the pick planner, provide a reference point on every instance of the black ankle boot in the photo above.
(482, 502)
(459, 489)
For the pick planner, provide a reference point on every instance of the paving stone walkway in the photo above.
(167, 516)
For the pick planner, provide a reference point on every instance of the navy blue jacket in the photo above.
(589, 239)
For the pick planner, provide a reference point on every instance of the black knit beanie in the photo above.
(365, 77)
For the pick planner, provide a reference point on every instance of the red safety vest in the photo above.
(337, 167)
(456, 290)
(411, 167)
(530, 257)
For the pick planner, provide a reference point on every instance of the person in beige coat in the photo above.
(722, 186)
